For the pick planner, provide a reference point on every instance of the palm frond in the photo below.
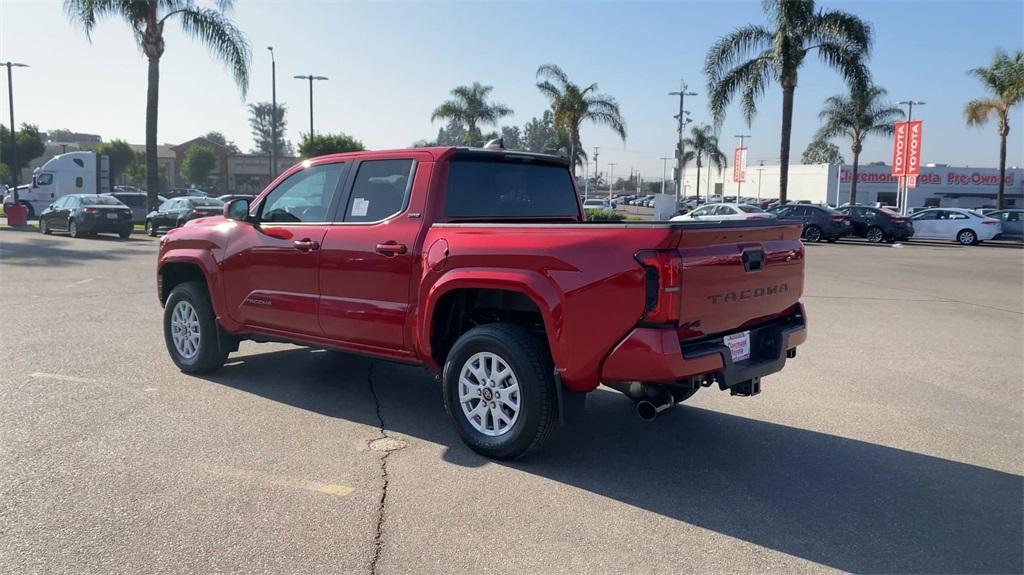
(552, 72)
(841, 29)
(227, 42)
(721, 92)
(977, 112)
(549, 90)
(729, 50)
(849, 63)
(88, 12)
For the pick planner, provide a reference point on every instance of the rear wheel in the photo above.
(812, 234)
(125, 235)
(190, 330)
(967, 237)
(875, 235)
(499, 390)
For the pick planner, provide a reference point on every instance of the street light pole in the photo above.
(664, 173)
(759, 170)
(682, 93)
(739, 183)
(611, 180)
(15, 172)
(904, 194)
(273, 114)
(311, 77)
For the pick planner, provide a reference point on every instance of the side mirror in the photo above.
(237, 209)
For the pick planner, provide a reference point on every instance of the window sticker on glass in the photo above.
(360, 206)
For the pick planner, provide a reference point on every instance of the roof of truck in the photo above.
(439, 152)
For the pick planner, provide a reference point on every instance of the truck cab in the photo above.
(70, 173)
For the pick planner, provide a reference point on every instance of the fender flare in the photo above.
(539, 289)
(207, 264)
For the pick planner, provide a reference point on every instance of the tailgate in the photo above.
(734, 278)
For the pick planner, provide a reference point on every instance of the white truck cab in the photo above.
(70, 173)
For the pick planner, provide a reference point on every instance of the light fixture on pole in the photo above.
(311, 77)
(904, 193)
(739, 168)
(273, 114)
(15, 172)
(681, 121)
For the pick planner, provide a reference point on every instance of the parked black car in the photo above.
(185, 193)
(85, 214)
(175, 212)
(878, 224)
(820, 222)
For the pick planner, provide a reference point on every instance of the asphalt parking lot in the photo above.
(892, 443)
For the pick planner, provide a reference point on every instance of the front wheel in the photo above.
(190, 330)
(43, 228)
(967, 237)
(812, 234)
(499, 390)
(875, 235)
(150, 228)
(73, 229)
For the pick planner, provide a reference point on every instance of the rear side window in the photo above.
(751, 209)
(379, 191)
(495, 189)
(132, 201)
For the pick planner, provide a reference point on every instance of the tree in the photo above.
(470, 109)
(323, 144)
(199, 162)
(703, 143)
(29, 144)
(750, 58)
(856, 116)
(824, 152)
(572, 105)
(147, 18)
(512, 137)
(121, 156)
(262, 120)
(539, 134)
(218, 138)
(1004, 79)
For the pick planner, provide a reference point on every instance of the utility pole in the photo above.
(273, 114)
(611, 180)
(682, 93)
(664, 173)
(739, 183)
(15, 172)
(903, 195)
(597, 169)
(311, 78)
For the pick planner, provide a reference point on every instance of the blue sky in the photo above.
(390, 64)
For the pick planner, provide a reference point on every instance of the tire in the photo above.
(875, 235)
(150, 229)
(525, 429)
(73, 229)
(43, 228)
(967, 237)
(189, 306)
(832, 240)
(812, 233)
(125, 235)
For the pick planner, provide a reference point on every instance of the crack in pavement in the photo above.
(378, 539)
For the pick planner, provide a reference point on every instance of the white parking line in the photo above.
(59, 377)
(80, 282)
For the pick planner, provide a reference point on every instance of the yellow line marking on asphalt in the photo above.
(335, 489)
(59, 377)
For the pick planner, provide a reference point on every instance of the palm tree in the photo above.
(572, 105)
(856, 116)
(704, 144)
(1005, 80)
(147, 18)
(470, 107)
(746, 61)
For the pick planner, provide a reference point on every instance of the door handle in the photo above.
(391, 248)
(306, 245)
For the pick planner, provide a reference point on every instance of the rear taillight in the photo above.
(899, 220)
(663, 285)
(196, 212)
(91, 210)
(836, 219)
(990, 222)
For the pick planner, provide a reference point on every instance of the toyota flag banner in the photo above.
(739, 165)
(906, 150)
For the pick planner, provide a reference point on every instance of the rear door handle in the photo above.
(391, 248)
(306, 245)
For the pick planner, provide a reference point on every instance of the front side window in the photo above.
(167, 206)
(306, 196)
(725, 211)
(926, 215)
(379, 191)
(44, 179)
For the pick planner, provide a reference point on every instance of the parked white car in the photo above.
(597, 204)
(955, 224)
(717, 212)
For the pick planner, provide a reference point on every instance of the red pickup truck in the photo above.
(479, 264)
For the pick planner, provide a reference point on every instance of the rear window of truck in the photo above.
(496, 189)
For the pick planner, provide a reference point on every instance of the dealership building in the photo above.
(937, 185)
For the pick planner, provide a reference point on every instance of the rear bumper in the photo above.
(105, 226)
(655, 355)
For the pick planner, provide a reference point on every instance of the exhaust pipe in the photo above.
(650, 399)
(648, 410)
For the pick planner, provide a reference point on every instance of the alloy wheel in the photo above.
(185, 329)
(489, 394)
